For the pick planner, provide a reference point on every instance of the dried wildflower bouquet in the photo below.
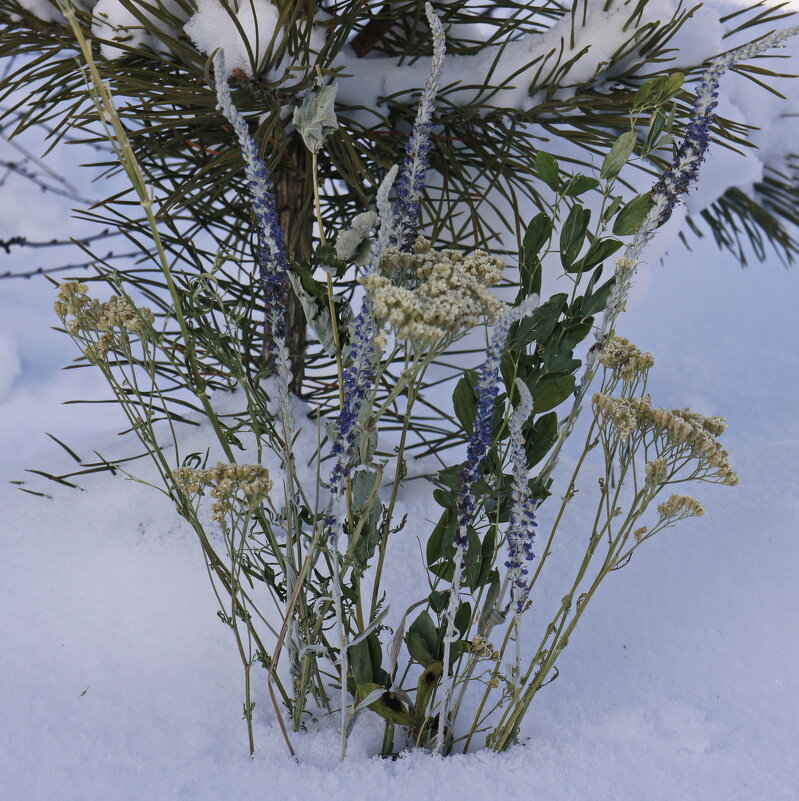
(297, 519)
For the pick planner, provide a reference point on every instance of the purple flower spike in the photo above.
(480, 440)
(273, 263)
(412, 177)
(521, 531)
(684, 169)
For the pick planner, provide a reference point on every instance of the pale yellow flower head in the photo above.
(427, 295)
(624, 358)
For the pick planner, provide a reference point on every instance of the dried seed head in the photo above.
(227, 483)
(112, 320)
(678, 432)
(481, 647)
(678, 507)
(657, 471)
(617, 412)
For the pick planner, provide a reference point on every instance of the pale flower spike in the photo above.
(521, 531)
(357, 380)
(683, 171)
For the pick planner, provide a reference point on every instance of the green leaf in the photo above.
(487, 556)
(619, 154)
(536, 237)
(368, 510)
(443, 570)
(657, 91)
(573, 234)
(473, 558)
(418, 649)
(646, 93)
(438, 601)
(657, 124)
(577, 329)
(547, 168)
(439, 544)
(559, 357)
(631, 217)
(598, 300)
(613, 207)
(579, 185)
(541, 323)
(599, 250)
(552, 390)
(488, 614)
(463, 617)
(361, 662)
(540, 437)
(424, 635)
(444, 498)
(464, 400)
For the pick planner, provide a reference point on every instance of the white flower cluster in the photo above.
(677, 429)
(112, 319)
(449, 293)
(227, 482)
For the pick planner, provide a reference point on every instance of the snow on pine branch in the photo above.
(575, 50)
(587, 47)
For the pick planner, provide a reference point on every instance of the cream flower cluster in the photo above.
(679, 427)
(90, 316)
(442, 292)
(625, 359)
(678, 507)
(227, 482)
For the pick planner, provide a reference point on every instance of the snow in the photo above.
(586, 44)
(217, 25)
(43, 9)
(9, 365)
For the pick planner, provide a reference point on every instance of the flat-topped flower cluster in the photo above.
(226, 482)
(625, 359)
(111, 319)
(428, 295)
(673, 430)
